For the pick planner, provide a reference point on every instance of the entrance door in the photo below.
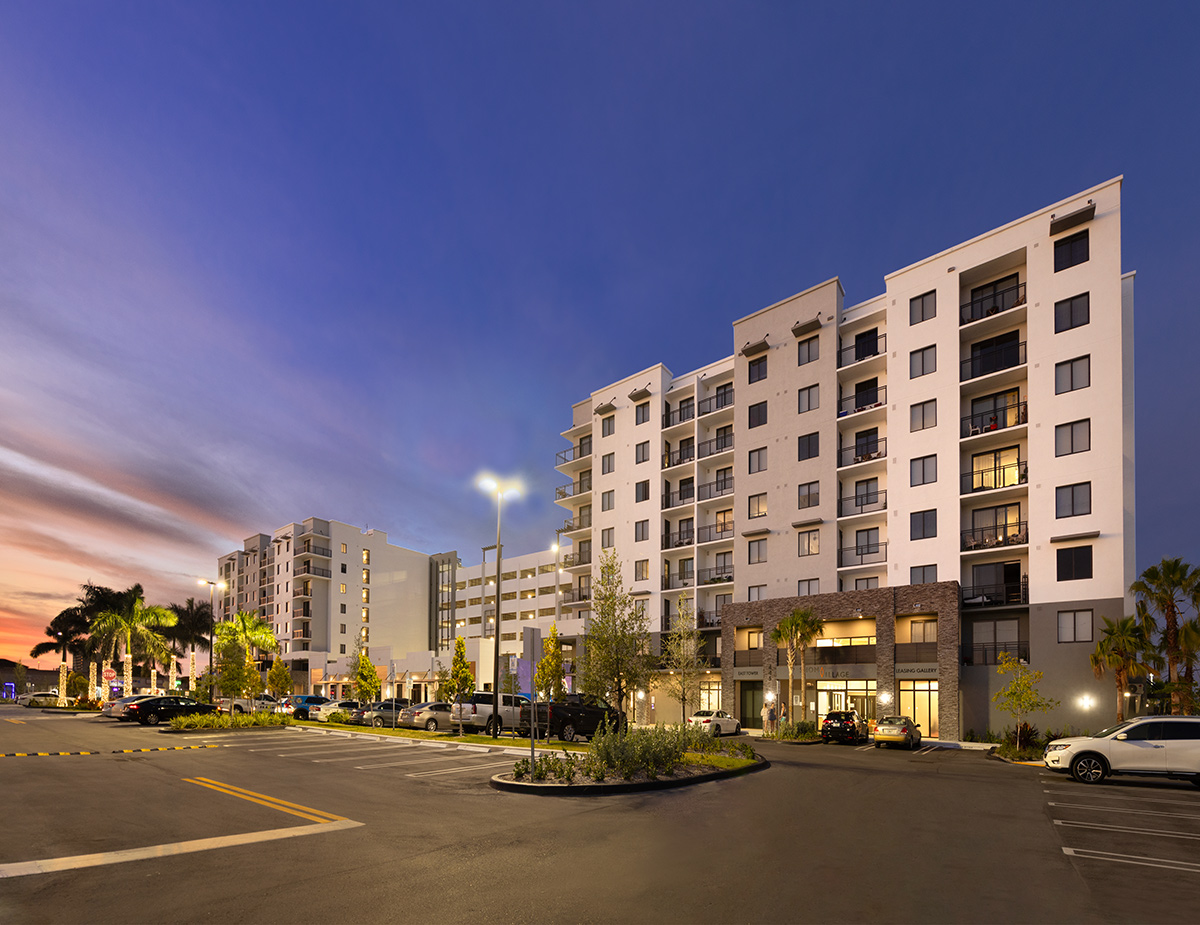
(919, 699)
(751, 704)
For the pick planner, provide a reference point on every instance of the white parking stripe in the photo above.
(1165, 863)
(411, 761)
(358, 753)
(1154, 833)
(473, 767)
(1128, 812)
(1117, 795)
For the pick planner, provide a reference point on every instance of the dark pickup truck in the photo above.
(576, 715)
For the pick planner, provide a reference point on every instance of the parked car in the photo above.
(38, 699)
(898, 729)
(1163, 746)
(248, 704)
(573, 716)
(382, 713)
(153, 710)
(299, 706)
(116, 708)
(322, 711)
(844, 726)
(432, 716)
(715, 722)
(476, 711)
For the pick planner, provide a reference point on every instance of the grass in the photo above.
(722, 762)
(507, 739)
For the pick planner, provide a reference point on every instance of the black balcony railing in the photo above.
(302, 634)
(1006, 476)
(312, 550)
(678, 580)
(679, 415)
(1005, 594)
(676, 498)
(575, 559)
(716, 402)
(579, 451)
(836, 655)
(573, 489)
(713, 576)
(996, 535)
(716, 445)
(302, 591)
(988, 653)
(678, 539)
(576, 595)
(711, 532)
(916, 652)
(992, 360)
(862, 400)
(309, 569)
(708, 618)
(862, 554)
(576, 523)
(862, 451)
(1009, 415)
(992, 304)
(678, 457)
(865, 503)
(717, 489)
(748, 658)
(862, 350)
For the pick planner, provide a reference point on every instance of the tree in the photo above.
(683, 657)
(67, 632)
(364, 679)
(20, 672)
(461, 681)
(795, 633)
(135, 624)
(250, 632)
(441, 682)
(193, 622)
(1121, 649)
(550, 681)
(279, 679)
(616, 659)
(1189, 650)
(1020, 696)
(1166, 588)
(236, 675)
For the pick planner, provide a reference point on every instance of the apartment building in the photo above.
(944, 472)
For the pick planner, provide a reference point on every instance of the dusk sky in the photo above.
(265, 261)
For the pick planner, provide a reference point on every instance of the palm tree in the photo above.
(795, 633)
(249, 631)
(193, 622)
(1189, 650)
(1122, 648)
(1166, 588)
(137, 626)
(66, 632)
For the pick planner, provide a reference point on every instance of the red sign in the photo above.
(109, 674)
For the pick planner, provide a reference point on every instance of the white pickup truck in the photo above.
(476, 711)
(248, 704)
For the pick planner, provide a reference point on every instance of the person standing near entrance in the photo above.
(764, 712)
(771, 719)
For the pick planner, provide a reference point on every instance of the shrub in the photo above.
(805, 729)
(521, 769)
(224, 721)
(339, 716)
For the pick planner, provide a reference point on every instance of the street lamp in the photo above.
(511, 490)
(212, 623)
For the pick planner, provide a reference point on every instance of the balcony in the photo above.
(916, 652)
(579, 451)
(989, 653)
(576, 523)
(715, 576)
(992, 304)
(302, 634)
(862, 452)
(710, 533)
(309, 569)
(866, 503)
(676, 540)
(715, 445)
(717, 489)
(301, 592)
(678, 580)
(678, 457)
(676, 498)
(576, 559)
(836, 655)
(1002, 595)
(576, 595)
(707, 619)
(1009, 475)
(679, 415)
(1001, 418)
(995, 536)
(862, 350)
(992, 360)
(862, 554)
(748, 658)
(861, 401)
(573, 490)
(309, 549)
(716, 402)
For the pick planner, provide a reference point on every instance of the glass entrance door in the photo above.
(751, 701)
(919, 699)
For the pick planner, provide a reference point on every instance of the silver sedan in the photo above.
(432, 716)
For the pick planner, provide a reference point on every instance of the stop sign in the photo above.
(109, 674)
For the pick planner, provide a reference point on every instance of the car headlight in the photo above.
(1055, 747)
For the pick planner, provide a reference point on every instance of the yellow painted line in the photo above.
(304, 812)
(19, 722)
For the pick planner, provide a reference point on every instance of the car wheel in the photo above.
(716, 732)
(377, 721)
(237, 709)
(1089, 769)
(912, 743)
(493, 727)
(300, 714)
(566, 732)
(879, 745)
(737, 730)
(152, 719)
(431, 725)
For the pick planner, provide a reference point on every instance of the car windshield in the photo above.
(838, 717)
(703, 713)
(1110, 730)
(892, 720)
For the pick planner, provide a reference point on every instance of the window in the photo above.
(642, 451)
(366, 614)
(1074, 312)
(1075, 563)
(808, 446)
(756, 551)
(756, 593)
(608, 425)
(641, 570)
(922, 415)
(758, 369)
(1074, 626)
(343, 608)
(808, 399)
(1072, 374)
(758, 505)
(1071, 251)
(865, 584)
(343, 548)
(1073, 500)
(342, 649)
(366, 557)
(922, 525)
(758, 414)
(809, 542)
(922, 575)
(366, 595)
(606, 463)
(342, 588)
(758, 459)
(343, 568)
(641, 414)
(343, 628)
(606, 501)
(922, 470)
(641, 491)
(1075, 437)
(366, 576)
(922, 308)
(641, 531)
(922, 362)
(807, 351)
(606, 538)
(806, 587)
(809, 495)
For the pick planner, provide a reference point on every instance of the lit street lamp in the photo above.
(500, 490)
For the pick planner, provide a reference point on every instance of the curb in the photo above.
(216, 730)
(590, 790)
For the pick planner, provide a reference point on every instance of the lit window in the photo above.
(343, 548)
(366, 557)
(758, 505)
(809, 542)
(641, 570)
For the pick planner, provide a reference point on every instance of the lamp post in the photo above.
(212, 624)
(501, 490)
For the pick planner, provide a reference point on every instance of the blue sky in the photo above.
(265, 261)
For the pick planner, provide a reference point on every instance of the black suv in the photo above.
(844, 726)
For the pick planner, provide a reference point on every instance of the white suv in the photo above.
(1166, 746)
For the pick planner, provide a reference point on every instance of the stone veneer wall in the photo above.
(884, 604)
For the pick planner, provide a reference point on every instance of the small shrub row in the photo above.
(225, 721)
(803, 729)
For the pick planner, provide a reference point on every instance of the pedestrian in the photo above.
(782, 713)
(771, 719)
(766, 707)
